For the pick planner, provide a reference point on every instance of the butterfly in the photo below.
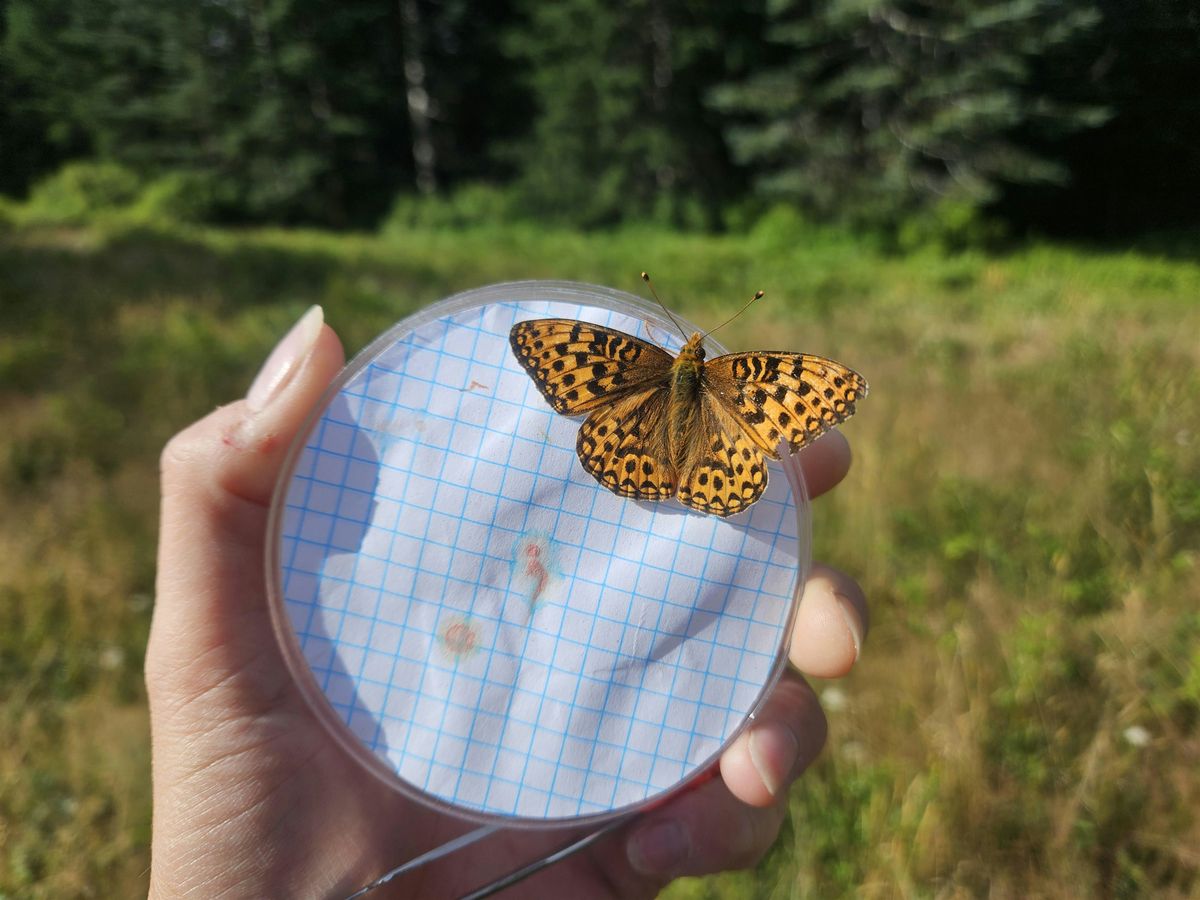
(662, 426)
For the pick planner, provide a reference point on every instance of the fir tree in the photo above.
(620, 128)
(883, 108)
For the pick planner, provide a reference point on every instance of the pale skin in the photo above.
(253, 798)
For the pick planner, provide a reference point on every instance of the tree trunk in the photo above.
(419, 109)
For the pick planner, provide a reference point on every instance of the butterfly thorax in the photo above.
(684, 406)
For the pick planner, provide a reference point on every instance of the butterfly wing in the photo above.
(795, 397)
(579, 367)
(726, 471)
(622, 444)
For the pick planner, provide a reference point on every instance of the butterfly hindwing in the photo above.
(579, 366)
(794, 397)
(622, 445)
(726, 472)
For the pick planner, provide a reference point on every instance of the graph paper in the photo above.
(502, 633)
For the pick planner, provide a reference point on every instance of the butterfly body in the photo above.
(660, 426)
(686, 374)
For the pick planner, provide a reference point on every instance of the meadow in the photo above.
(1023, 512)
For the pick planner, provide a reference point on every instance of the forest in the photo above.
(981, 118)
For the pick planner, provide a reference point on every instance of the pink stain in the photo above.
(534, 569)
(459, 638)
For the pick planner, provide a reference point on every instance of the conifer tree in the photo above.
(884, 107)
(620, 129)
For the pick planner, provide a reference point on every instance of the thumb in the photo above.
(238, 449)
(217, 478)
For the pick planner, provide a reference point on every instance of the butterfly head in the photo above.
(693, 350)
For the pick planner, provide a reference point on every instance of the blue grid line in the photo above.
(643, 687)
(600, 582)
(711, 646)
(342, 621)
(427, 668)
(375, 614)
(647, 689)
(429, 644)
(625, 528)
(621, 658)
(311, 453)
(381, 452)
(657, 631)
(454, 675)
(457, 535)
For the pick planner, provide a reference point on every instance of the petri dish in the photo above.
(480, 623)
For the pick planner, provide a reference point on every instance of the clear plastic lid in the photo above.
(477, 620)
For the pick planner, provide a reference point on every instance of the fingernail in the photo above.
(773, 750)
(285, 359)
(853, 623)
(658, 849)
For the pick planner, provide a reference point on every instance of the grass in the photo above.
(1024, 513)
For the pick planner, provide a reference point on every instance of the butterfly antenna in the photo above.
(654, 294)
(758, 295)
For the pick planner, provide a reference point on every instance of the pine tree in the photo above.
(884, 108)
(620, 128)
(278, 104)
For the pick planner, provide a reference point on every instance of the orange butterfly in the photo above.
(662, 426)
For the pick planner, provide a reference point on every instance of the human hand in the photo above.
(253, 797)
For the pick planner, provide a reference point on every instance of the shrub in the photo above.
(83, 192)
(78, 192)
(950, 226)
(469, 206)
(184, 196)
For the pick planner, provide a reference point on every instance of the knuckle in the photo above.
(759, 829)
(192, 449)
(179, 454)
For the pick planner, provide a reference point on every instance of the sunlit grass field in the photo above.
(1024, 513)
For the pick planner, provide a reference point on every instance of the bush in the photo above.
(781, 225)
(469, 206)
(84, 192)
(176, 197)
(78, 192)
(951, 227)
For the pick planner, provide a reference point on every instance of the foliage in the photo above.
(621, 130)
(84, 192)
(237, 91)
(468, 206)
(878, 110)
(1024, 513)
(1073, 115)
(79, 191)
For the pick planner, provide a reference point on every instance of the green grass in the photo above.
(1024, 513)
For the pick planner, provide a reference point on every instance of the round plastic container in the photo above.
(478, 621)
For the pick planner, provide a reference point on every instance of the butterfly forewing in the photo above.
(794, 397)
(579, 367)
(622, 445)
